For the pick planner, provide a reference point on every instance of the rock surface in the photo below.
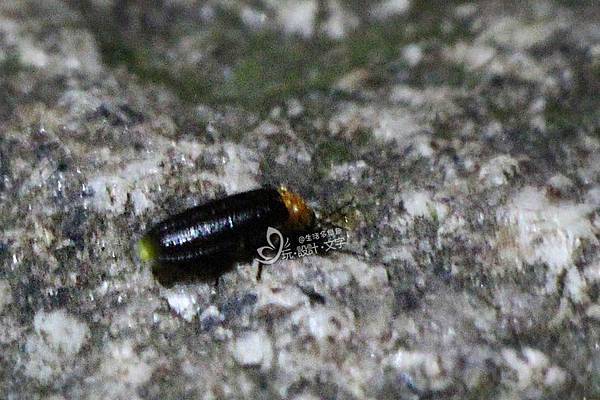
(465, 138)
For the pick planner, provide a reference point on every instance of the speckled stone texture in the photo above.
(463, 138)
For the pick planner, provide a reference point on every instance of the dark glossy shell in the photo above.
(218, 229)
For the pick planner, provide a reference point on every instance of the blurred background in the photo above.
(463, 138)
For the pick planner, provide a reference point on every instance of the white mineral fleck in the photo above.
(472, 56)
(575, 286)
(322, 324)
(140, 202)
(183, 303)
(396, 125)
(420, 204)
(253, 349)
(400, 253)
(499, 170)
(110, 191)
(340, 20)
(593, 196)
(5, 294)
(593, 312)
(592, 272)
(367, 275)
(62, 332)
(124, 366)
(560, 183)
(56, 340)
(533, 368)
(210, 314)
(535, 229)
(555, 376)
(413, 54)
(31, 54)
(421, 364)
(252, 17)
(390, 8)
(279, 300)
(240, 169)
(297, 17)
(351, 171)
(400, 125)
(514, 33)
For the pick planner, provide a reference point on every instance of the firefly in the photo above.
(221, 230)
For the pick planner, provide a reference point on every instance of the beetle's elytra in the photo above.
(219, 229)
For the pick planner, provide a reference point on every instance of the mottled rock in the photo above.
(456, 146)
(52, 348)
(253, 349)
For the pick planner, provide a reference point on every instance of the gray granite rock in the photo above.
(458, 142)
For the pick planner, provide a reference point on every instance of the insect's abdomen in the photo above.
(214, 230)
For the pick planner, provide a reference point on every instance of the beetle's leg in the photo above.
(259, 272)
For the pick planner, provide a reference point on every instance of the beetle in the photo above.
(217, 233)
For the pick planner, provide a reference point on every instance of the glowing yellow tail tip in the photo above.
(146, 249)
